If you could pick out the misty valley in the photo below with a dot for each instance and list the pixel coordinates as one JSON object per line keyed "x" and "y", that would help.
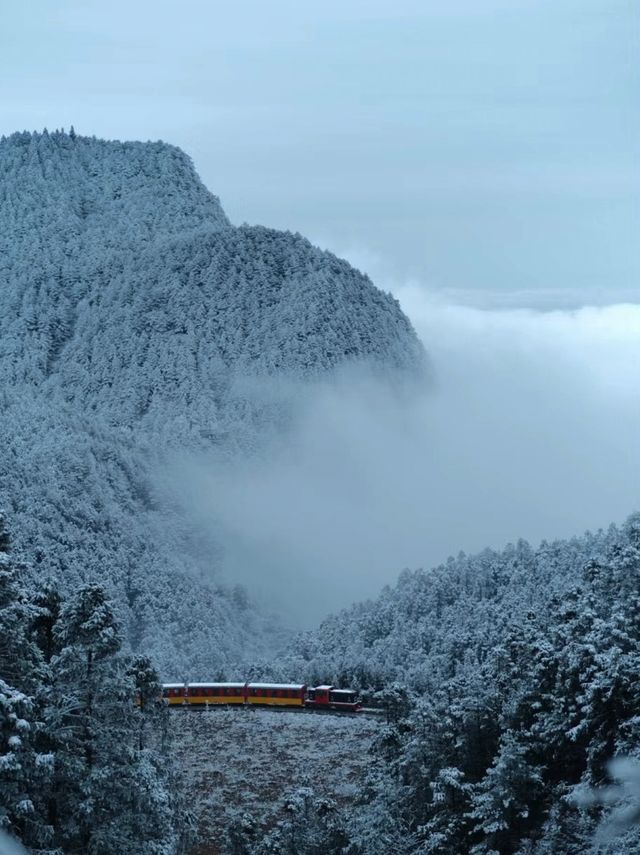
{"x": 283, "y": 572}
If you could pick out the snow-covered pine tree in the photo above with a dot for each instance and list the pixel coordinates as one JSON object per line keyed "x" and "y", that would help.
{"x": 111, "y": 791}
{"x": 24, "y": 771}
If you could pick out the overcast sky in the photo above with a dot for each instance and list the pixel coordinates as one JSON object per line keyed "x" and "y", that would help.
{"x": 487, "y": 147}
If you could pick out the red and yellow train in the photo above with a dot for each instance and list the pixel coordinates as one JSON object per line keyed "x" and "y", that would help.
{"x": 261, "y": 694}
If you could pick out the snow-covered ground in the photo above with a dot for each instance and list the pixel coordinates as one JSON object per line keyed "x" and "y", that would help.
{"x": 238, "y": 761}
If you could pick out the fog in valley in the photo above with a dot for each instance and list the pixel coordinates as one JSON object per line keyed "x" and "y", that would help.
{"x": 527, "y": 427}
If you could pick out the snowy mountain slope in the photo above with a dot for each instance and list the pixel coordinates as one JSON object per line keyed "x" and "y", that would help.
{"x": 135, "y": 318}
{"x": 121, "y": 276}
{"x": 510, "y": 680}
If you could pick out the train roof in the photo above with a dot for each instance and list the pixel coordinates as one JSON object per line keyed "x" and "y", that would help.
{"x": 343, "y": 691}
{"x": 173, "y": 685}
{"x": 277, "y": 686}
{"x": 326, "y": 688}
{"x": 222, "y": 685}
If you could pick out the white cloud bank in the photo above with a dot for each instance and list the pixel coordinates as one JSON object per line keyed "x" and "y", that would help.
{"x": 532, "y": 429}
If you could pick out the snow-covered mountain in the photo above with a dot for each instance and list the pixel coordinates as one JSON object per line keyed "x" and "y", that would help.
{"x": 132, "y": 313}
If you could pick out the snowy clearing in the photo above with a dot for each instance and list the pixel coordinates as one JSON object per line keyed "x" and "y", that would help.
{"x": 238, "y": 761}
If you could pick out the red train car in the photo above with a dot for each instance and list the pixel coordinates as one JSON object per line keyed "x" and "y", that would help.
{"x": 330, "y": 698}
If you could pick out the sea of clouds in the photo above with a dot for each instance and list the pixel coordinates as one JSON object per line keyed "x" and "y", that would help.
{"x": 528, "y": 426}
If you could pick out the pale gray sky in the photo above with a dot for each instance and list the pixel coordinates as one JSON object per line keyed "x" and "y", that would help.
{"x": 474, "y": 145}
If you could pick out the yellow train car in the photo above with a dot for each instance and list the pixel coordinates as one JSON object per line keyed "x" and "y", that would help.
{"x": 276, "y": 694}
{"x": 238, "y": 694}
{"x": 203, "y": 694}
{"x": 174, "y": 693}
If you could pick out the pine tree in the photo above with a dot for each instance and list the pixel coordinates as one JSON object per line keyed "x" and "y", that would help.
{"x": 24, "y": 770}
{"x": 112, "y": 794}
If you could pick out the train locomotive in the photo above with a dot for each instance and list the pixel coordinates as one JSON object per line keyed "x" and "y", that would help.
{"x": 292, "y": 695}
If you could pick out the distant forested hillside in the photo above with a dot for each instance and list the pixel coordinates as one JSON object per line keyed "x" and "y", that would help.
{"x": 135, "y": 321}
{"x": 510, "y": 680}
